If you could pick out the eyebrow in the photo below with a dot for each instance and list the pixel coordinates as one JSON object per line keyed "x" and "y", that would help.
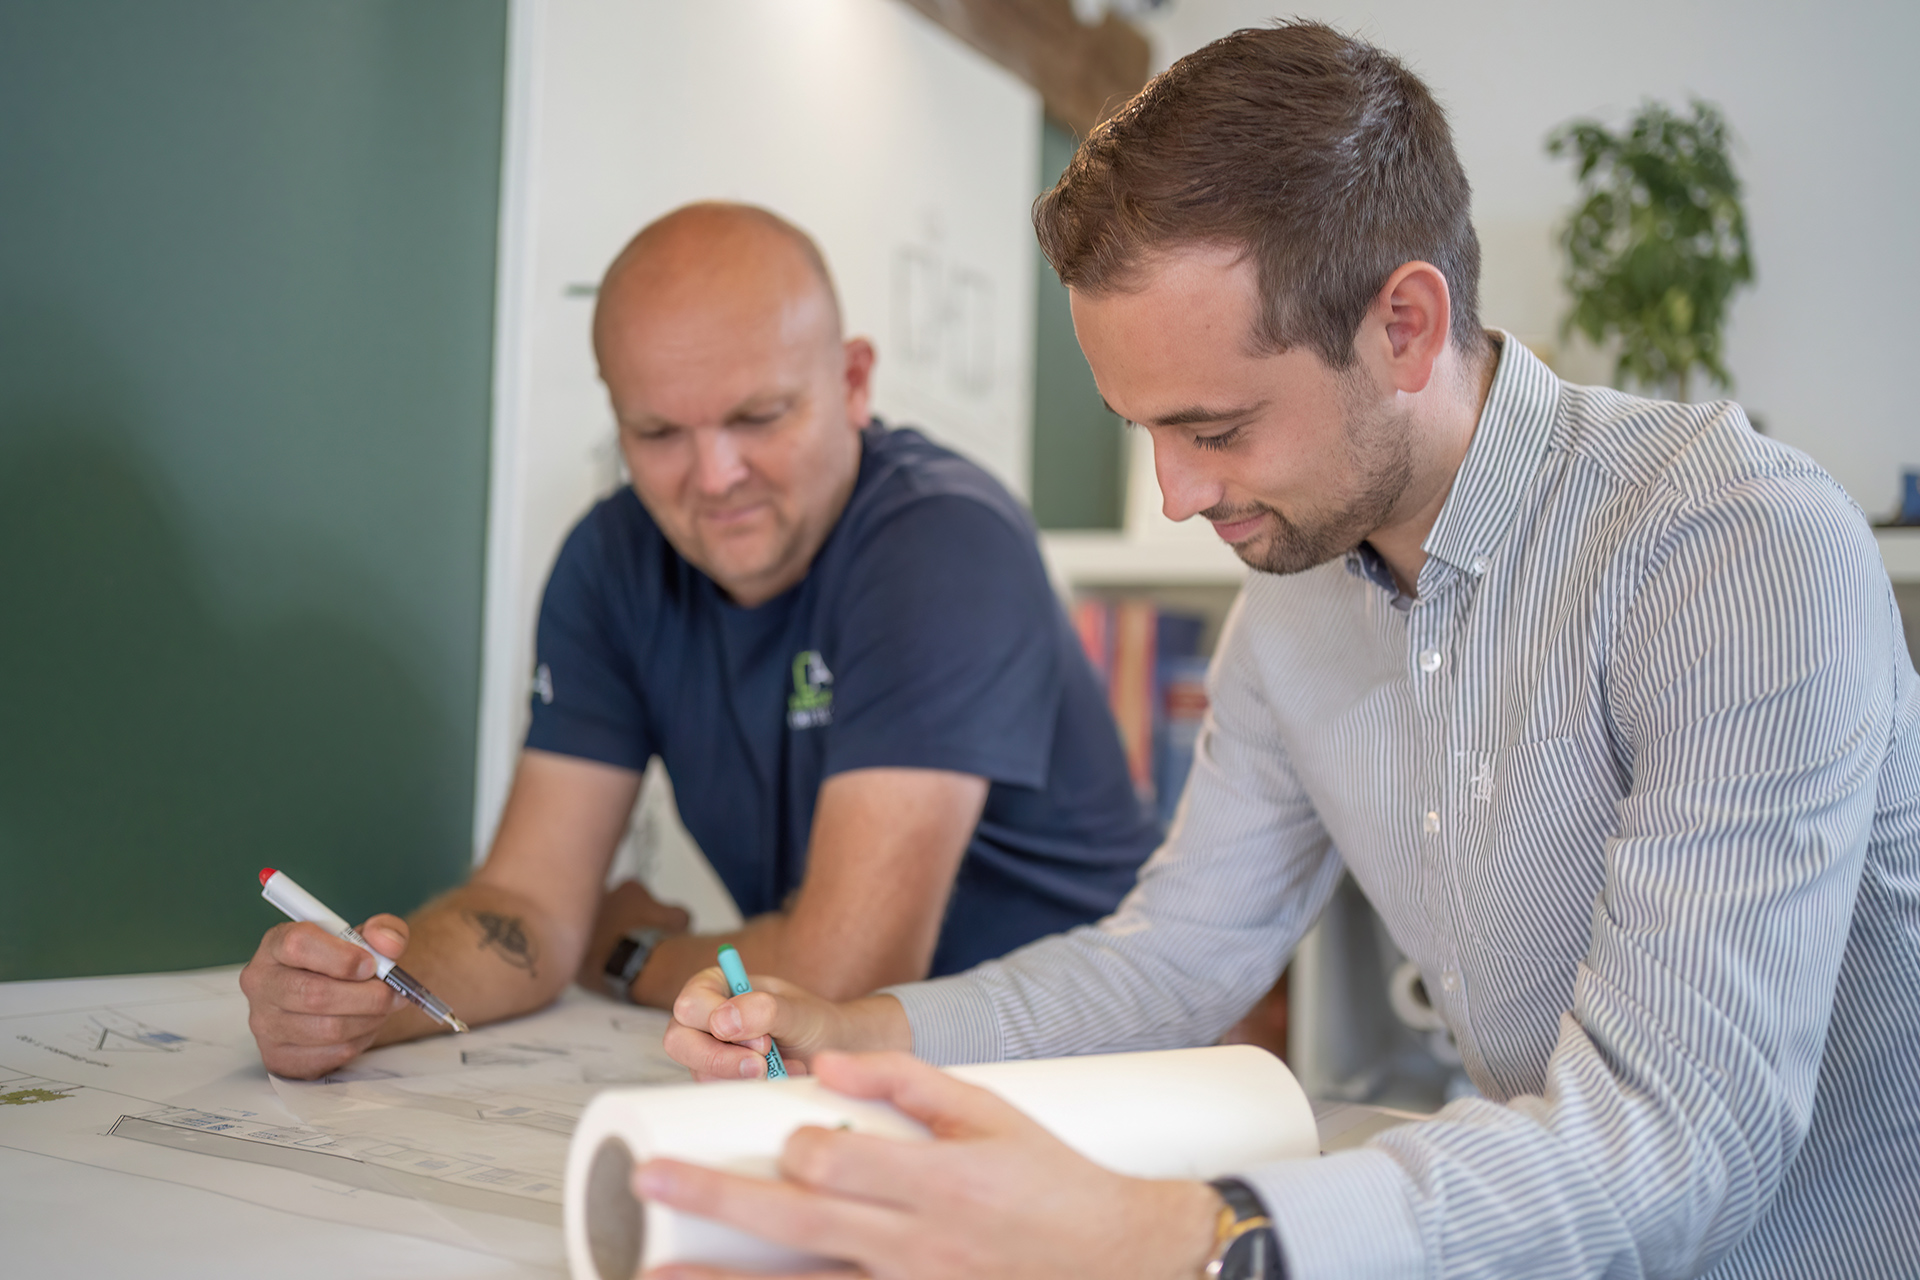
{"x": 744, "y": 409}
{"x": 1195, "y": 415}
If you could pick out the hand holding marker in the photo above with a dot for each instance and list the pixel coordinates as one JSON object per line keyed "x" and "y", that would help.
{"x": 278, "y": 888}
{"x": 738, "y": 984}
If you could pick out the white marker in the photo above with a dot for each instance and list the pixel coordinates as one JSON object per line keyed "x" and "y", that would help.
{"x": 278, "y": 888}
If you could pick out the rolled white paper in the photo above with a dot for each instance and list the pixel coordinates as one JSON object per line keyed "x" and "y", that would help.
{"x": 1179, "y": 1113}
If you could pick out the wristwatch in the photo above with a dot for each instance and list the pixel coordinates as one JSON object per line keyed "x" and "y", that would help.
{"x": 1244, "y": 1246}
{"x": 628, "y": 958}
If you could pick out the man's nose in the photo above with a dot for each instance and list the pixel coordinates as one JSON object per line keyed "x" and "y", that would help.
{"x": 1187, "y": 485}
{"x": 718, "y": 464}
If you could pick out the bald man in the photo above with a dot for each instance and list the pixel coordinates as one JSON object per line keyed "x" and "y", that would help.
{"x": 839, "y": 637}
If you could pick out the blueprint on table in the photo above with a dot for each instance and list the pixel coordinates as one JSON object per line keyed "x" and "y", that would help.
{"x": 461, "y": 1139}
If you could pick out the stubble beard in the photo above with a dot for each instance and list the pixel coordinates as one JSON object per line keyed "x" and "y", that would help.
{"x": 1380, "y": 452}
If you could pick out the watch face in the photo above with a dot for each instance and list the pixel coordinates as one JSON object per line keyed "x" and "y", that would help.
{"x": 622, "y": 952}
{"x": 1254, "y": 1256}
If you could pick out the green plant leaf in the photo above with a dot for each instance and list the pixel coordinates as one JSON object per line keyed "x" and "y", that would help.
{"x": 1658, "y": 243}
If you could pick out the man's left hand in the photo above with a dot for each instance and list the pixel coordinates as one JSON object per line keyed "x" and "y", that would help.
{"x": 994, "y": 1195}
{"x": 626, "y": 906}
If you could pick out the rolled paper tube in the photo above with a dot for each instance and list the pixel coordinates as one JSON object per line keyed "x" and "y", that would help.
{"x": 1180, "y": 1113}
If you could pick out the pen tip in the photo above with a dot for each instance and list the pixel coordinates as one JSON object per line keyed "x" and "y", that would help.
{"x": 459, "y": 1027}
{"x": 266, "y": 874}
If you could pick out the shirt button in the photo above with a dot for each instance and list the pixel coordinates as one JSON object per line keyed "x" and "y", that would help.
{"x": 1450, "y": 981}
{"x": 1430, "y": 660}
{"x": 1479, "y": 566}
{"x": 1431, "y": 823}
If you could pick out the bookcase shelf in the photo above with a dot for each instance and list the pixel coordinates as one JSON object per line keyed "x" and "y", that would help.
{"x": 1900, "y": 548}
{"x": 1078, "y": 560}
{"x": 1099, "y": 558}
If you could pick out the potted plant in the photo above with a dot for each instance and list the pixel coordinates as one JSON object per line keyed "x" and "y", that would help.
{"x": 1658, "y": 244}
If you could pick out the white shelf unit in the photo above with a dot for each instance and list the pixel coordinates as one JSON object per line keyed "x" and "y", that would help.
{"x": 1900, "y": 548}
{"x": 1102, "y": 559}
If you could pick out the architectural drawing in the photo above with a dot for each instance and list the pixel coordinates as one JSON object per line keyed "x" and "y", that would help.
{"x": 24, "y": 1091}
{"x": 461, "y": 1139}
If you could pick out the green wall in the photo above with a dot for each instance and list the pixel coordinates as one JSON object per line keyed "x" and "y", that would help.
{"x": 246, "y": 281}
{"x": 1078, "y": 447}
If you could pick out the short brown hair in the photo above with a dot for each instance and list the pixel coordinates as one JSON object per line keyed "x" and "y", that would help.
{"x": 1324, "y": 157}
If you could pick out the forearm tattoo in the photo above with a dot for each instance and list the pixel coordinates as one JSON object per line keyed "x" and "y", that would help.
{"x": 503, "y": 936}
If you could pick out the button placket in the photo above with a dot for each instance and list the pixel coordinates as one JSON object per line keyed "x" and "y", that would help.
{"x": 1447, "y": 820}
{"x": 1430, "y": 726}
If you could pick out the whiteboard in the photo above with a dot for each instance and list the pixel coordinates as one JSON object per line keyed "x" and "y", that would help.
{"x": 909, "y": 157}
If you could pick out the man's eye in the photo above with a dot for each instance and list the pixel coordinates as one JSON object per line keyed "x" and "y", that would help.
{"x": 1220, "y": 441}
{"x": 765, "y": 418}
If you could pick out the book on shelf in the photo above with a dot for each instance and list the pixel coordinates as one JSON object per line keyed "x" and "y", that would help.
{"x": 1155, "y": 676}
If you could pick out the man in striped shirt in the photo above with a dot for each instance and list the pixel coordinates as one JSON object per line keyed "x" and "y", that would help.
{"x": 1602, "y": 701}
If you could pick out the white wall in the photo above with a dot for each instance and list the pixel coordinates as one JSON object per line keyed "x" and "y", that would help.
{"x": 910, "y": 158}
{"x": 1827, "y": 109}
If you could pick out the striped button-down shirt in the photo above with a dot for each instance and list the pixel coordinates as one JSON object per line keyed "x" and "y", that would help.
{"x": 1635, "y": 778}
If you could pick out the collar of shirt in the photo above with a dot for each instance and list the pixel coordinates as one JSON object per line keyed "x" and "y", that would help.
{"x": 1508, "y": 444}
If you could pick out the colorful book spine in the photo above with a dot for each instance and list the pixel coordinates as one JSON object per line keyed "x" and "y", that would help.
{"x": 1183, "y": 709}
{"x": 1130, "y": 688}
{"x": 1150, "y": 663}
{"x": 1093, "y": 619}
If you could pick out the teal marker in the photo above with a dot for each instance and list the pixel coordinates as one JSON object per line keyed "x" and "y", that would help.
{"x": 737, "y": 982}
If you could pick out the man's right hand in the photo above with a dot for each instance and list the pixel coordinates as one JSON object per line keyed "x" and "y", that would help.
{"x": 720, "y": 1036}
{"x": 313, "y": 1000}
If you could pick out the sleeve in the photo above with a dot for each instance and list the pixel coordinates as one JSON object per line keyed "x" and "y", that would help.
{"x": 945, "y": 656}
{"x": 1245, "y": 869}
{"x": 1753, "y": 687}
{"x": 585, "y": 699}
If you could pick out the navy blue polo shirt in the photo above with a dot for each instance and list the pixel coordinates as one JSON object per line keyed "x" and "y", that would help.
{"x": 925, "y": 635}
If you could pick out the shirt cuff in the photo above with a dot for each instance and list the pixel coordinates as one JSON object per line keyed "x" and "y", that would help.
{"x": 952, "y": 1020}
{"x": 1347, "y": 1215}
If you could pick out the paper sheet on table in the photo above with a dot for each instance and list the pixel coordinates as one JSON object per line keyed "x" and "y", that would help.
{"x": 454, "y": 1139}
{"x": 475, "y": 1127}
{"x": 158, "y": 1076}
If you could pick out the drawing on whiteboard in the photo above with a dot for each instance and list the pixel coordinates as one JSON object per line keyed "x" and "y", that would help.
{"x": 943, "y": 319}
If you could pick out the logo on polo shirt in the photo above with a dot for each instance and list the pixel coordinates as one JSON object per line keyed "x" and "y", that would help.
{"x": 543, "y": 683}
{"x": 811, "y": 704}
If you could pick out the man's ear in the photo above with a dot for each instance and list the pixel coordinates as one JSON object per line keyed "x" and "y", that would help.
{"x": 859, "y": 380}
{"x": 1409, "y": 324}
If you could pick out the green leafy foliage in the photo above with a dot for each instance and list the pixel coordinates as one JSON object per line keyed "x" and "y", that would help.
{"x": 1658, "y": 244}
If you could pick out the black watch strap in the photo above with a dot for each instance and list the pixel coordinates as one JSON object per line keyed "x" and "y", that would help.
{"x": 628, "y": 957}
{"x": 1251, "y": 1249}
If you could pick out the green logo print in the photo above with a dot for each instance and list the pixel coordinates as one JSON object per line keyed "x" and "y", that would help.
{"x": 812, "y": 702}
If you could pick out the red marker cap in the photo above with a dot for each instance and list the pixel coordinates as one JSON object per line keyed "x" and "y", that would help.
{"x": 266, "y": 874}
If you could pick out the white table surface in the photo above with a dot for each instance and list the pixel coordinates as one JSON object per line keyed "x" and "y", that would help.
{"x": 63, "y": 1219}
{"x": 77, "y": 1200}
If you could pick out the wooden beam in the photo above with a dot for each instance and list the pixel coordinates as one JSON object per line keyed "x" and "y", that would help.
{"x": 1083, "y": 74}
